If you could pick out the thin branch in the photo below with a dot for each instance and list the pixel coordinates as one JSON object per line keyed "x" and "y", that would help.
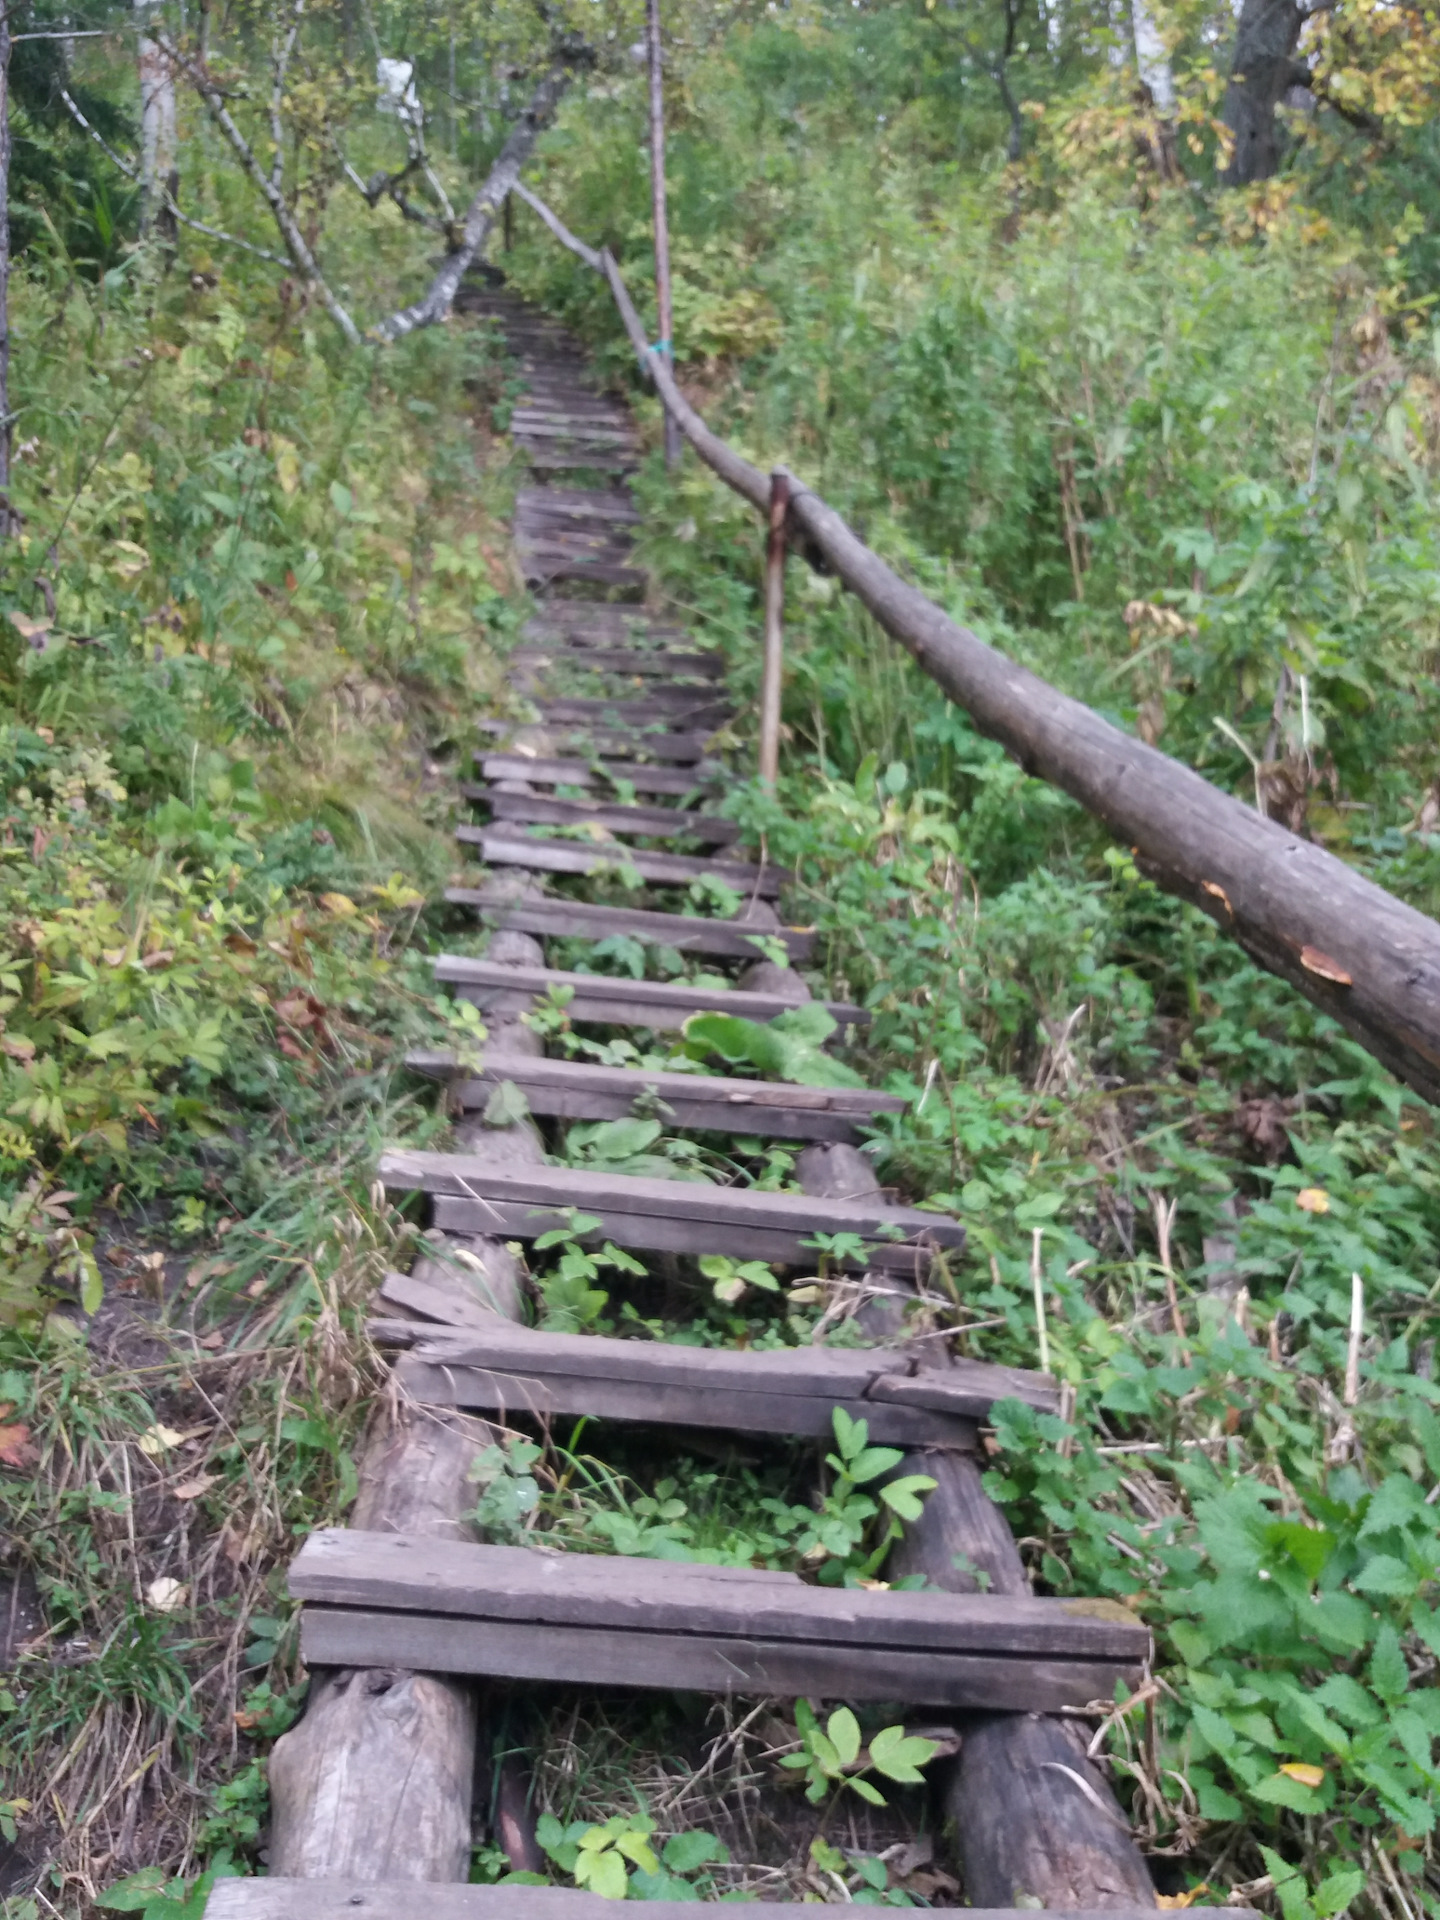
{"x": 557, "y": 226}
{"x": 536, "y": 116}
{"x": 300, "y": 255}
{"x": 277, "y": 95}
{"x": 130, "y": 173}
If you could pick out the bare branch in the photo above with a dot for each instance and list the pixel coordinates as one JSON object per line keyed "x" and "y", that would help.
{"x": 301, "y": 257}
{"x": 277, "y": 95}
{"x": 130, "y": 173}
{"x": 557, "y": 226}
{"x": 537, "y": 115}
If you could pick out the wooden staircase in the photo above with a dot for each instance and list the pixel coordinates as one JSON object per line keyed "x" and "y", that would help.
{"x": 629, "y": 753}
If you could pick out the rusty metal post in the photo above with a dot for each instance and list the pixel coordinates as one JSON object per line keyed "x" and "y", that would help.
{"x": 770, "y": 673}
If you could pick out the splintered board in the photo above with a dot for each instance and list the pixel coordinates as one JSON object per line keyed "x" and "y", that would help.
{"x": 443, "y": 1606}
{"x": 786, "y": 1390}
{"x": 273, "y": 1899}
{"x": 563, "y": 919}
{"x": 663, "y": 1005}
{"x": 581, "y": 1090}
{"x": 511, "y": 847}
{"x": 663, "y": 1216}
{"x": 654, "y": 823}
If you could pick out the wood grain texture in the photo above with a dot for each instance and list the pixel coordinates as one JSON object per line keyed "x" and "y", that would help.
{"x": 654, "y": 823}
{"x": 696, "y": 1662}
{"x": 528, "y": 1586}
{"x": 628, "y": 660}
{"x": 564, "y": 918}
{"x": 276, "y": 1899}
{"x": 548, "y": 771}
{"x": 582, "y": 1090}
{"x": 509, "y": 846}
{"x": 662, "y": 1004}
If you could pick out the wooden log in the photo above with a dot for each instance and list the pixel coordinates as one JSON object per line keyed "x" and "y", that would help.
{"x": 275, "y": 1899}
{"x": 582, "y": 1090}
{"x": 1024, "y": 1829}
{"x": 566, "y": 918}
{"x": 1362, "y": 956}
{"x": 500, "y": 846}
{"x": 663, "y": 1005}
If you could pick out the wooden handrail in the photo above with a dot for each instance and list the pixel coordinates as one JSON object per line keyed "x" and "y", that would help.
{"x": 1359, "y": 954}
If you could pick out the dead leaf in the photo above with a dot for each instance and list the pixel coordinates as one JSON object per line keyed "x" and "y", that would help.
{"x": 15, "y": 1448}
{"x": 27, "y": 628}
{"x": 340, "y": 904}
{"x": 192, "y": 1489}
{"x": 1313, "y": 1200}
{"x": 213, "y": 1342}
{"x": 17, "y": 1048}
{"x": 1302, "y": 1771}
{"x": 166, "y": 1595}
{"x": 1314, "y": 961}
{"x": 159, "y": 1439}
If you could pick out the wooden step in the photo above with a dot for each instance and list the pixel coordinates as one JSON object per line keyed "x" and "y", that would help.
{"x": 252, "y": 1898}
{"x": 662, "y": 1005}
{"x": 581, "y": 1090}
{"x": 695, "y": 707}
{"x": 609, "y": 508}
{"x": 566, "y": 919}
{"x": 570, "y": 457}
{"x": 577, "y": 432}
{"x": 616, "y": 744}
{"x": 446, "y": 1606}
{"x": 658, "y": 823}
{"x": 508, "y": 847}
{"x": 789, "y": 1391}
{"x": 547, "y": 771}
{"x": 599, "y": 621}
{"x": 623, "y": 660}
{"x": 540, "y": 569}
{"x": 663, "y": 1216}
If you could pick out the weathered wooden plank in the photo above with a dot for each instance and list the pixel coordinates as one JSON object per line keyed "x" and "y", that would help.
{"x": 539, "y": 570}
{"x": 687, "y": 934}
{"x": 618, "y": 744}
{"x": 967, "y": 1391}
{"x": 548, "y": 771}
{"x": 577, "y": 432}
{"x": 569, "y": 457}
{"x": 699, "y": 707}
{"x": 501, "y": 846}
{"x": 274, "y": 1899}
{"x": 449, "y": 1306}
{"x": 418, "y": 1573}
{"x": 693, "y": 1662}
{"x": 445, "y": 1383}
{"x": 627, "y": 660}
{"x": 656, "y": 823}
{"x": 662, "y": 1004}
{"x": 661, "y": 1215}
{"x": 582, "y": 502}
{"x": 582, "y": 1090}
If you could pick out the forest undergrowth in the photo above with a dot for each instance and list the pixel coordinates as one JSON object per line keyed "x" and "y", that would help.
{"x": 1182, "y": 460}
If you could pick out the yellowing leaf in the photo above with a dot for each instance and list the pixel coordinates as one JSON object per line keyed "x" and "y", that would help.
{"x": 287, "y": 464}
{"x": 339, "y": 904}
{"x": 1302, "y": 1771}
{"x": 157, "y": 1440}
{"x": 132, "y": 559}
{"x": 1313, "y": 1200}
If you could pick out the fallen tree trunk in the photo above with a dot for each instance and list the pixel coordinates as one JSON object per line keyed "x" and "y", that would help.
{"x": 1351, "y": 948}
{"x": 537, "y": 114}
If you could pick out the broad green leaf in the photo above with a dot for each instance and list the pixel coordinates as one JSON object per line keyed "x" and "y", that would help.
{"x": 684, "y": 1852}
{"x": 844, "y": 1733}
{"x": 868, "y": 1791}
{"x": 636, "y": 1847}
{"x": 899, "y": 1756}
{"x": 1336, "y": 1893}
{"x": 905, "y": 1496}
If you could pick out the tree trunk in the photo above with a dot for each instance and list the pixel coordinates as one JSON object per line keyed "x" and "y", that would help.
{"x": 159, "y": 175}
{"x": 1260, "y": 73}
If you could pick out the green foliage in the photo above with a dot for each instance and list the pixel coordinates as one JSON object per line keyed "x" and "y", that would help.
{"x": 785, "y": 1048}
{"x": 833, "y": 1759}
{"x": 616, "y": 1859}
{"x": 570, "y": 1302}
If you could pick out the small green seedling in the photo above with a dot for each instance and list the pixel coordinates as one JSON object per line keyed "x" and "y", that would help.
{"x": 837, "y": 1756}
{"x": 732, "y": 1279}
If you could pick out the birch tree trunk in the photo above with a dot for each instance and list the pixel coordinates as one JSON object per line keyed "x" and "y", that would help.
{"x": 159, "y": 174}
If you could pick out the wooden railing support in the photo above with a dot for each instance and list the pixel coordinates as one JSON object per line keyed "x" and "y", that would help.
{"x": 663, "y": 349}
{"x": 773, "y": 666}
